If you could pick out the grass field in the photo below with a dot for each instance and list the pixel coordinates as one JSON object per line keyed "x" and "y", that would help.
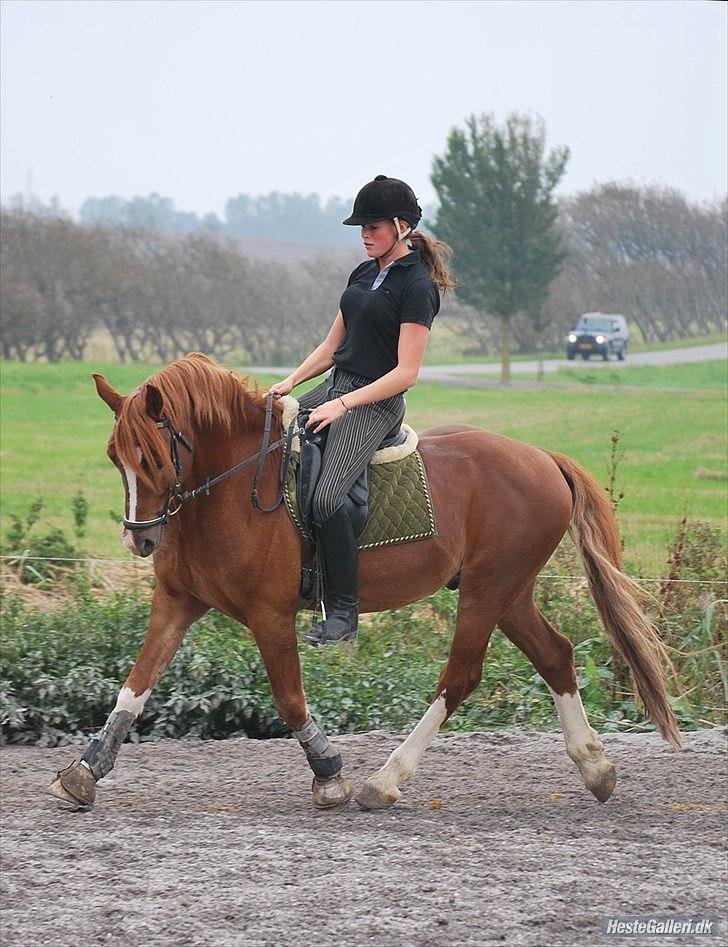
{"x": 688, "y": 377}
{"x": 54, "y": 432}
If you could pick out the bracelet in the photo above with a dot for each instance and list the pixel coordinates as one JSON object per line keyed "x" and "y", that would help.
{"x": 347, "y": 409}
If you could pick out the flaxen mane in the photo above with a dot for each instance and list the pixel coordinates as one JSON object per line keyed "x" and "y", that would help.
{"x": 194, "y": 389}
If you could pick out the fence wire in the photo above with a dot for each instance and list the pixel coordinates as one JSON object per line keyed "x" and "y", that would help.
{"x": 19, "y": 559}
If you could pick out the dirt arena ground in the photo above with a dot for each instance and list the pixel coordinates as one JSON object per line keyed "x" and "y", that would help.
{"x": 495, "y": 841}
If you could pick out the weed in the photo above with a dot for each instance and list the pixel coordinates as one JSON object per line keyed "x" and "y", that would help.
{"x": 41, "y": 556}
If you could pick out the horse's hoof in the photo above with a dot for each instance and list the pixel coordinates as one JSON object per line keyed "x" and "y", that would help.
{"x": 75, "y": 784}
{"x": 601, "y": 780}
{"x": 332, "y": 794}
{"x": 376, "y": 794}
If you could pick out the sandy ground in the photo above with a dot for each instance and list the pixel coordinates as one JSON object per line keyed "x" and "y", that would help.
{"x": 495, "y": 841}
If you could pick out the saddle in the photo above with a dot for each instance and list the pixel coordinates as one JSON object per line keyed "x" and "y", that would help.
{"x": 309, "y": 470}
{"x": 388, "y": 503}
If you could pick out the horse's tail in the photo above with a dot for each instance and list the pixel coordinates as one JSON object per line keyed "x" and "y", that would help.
{"x": 619, "y": 599}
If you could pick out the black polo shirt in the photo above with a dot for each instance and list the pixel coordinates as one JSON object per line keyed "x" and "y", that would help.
{"x": 373, "y": 317}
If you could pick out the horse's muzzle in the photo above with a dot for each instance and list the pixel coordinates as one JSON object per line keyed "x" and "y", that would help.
{"x": 142, "y": 544}
{"x": 146, "y": 547}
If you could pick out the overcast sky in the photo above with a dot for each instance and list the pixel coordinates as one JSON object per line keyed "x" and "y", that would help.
{"x": 200, "y": 101}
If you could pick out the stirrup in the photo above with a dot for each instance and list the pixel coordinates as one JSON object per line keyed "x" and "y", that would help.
{"x": 341, "y": 624}
{"x": 317, "y": 636}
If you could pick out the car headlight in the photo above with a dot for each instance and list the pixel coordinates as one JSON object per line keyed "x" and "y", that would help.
{"x": 572, "y": 337}
{"x": 600, "y": 339}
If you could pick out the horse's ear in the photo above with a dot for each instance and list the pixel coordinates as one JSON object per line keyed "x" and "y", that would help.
{"x": 108, "y": 394}
{"x": 153, "y": 400}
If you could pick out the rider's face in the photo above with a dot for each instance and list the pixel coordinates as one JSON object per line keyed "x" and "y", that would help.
{"x": 378, "y": 237}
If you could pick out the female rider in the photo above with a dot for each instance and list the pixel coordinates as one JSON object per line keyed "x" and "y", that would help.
{"x": 375, "y": 345}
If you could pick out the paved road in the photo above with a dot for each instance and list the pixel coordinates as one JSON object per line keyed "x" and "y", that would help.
{"x": 698, "y": 353}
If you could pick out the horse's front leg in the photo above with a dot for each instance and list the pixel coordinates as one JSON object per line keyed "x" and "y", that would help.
{"x": 276, "y": 639}
{"x": 170, "y": 618}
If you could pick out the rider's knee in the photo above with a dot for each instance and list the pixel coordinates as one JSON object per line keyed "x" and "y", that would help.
{"x": 324, "y": 506}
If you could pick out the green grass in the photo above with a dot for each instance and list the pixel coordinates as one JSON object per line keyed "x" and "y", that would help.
{"x": 55, "y": 428}
{"x": 689, "y": 376}
{"x": 636, "y": 346}
{"x": 697, "y": 375}
{"x": 670, "y": 440}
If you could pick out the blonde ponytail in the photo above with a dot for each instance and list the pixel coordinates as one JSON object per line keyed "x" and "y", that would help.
{"x": 435, "y": 255}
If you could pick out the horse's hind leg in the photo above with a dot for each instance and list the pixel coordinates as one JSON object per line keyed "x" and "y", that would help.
{"x": 462, "y": 673}
{"x": 170, "y": 618}
{"x": 551, "y": 653}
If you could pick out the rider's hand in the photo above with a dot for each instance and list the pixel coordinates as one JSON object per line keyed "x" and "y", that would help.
{"x": 327, "y": 412}
{"x": 281, "y": 388}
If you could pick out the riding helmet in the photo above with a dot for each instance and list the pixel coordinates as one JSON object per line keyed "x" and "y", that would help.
{"x": 384, "y": 199}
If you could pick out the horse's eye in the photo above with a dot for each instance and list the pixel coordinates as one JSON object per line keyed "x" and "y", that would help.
{"x": 158, "y": 465}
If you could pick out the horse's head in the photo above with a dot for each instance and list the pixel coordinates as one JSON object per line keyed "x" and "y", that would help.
{"x": 151, "y": 440}
{"x": 139, "y": 447}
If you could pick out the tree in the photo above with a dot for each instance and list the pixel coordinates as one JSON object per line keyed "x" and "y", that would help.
{"x": 649, "y": 253}
{"x": 46, "y": 308}
{"x": 497, "y": 211}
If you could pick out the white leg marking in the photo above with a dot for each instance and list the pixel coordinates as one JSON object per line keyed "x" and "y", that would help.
{"x": 131, "y": 702}
{"x": 574, "y": 724}
{"x": 584, "y": 746}
{"x": 404, "y": 760}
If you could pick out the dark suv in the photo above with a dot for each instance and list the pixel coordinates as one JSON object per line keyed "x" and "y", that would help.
{"x": 598, "y": 333}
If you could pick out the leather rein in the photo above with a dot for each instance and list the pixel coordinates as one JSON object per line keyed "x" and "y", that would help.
{"x": 178, "y": 497}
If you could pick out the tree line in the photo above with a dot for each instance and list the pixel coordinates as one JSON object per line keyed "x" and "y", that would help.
{"x": 643, "y": 251}
{"x": 275, "y": 216}
{"x": 157, "y": 295}
{"x": 527, "y": 264}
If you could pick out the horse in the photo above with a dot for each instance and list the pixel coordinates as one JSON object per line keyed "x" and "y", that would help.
{"x": 501, "y": 508}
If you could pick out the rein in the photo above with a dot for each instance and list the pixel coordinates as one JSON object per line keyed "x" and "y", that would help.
{"x": 179, "y": 496}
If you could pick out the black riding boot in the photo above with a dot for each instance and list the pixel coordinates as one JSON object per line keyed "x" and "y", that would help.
{"x": 338, "y": 546}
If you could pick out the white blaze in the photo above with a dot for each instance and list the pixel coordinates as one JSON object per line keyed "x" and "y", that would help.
{"x": 131, "y": 486}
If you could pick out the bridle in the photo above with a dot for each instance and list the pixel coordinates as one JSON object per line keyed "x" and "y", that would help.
{"x": 178, "y": 497}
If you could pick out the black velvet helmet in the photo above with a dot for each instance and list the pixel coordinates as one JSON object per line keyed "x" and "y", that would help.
{"x": 383, "y": 199}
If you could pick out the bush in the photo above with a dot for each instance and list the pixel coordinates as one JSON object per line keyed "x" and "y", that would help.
{"x": 38, "y": 557}
{"x": 61, "y": 670}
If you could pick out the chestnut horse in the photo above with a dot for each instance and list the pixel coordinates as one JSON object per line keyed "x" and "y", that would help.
{"x": 501, "y": 508}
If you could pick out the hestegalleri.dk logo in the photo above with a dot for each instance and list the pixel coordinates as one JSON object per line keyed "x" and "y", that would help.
{"x": 650, "y": 925}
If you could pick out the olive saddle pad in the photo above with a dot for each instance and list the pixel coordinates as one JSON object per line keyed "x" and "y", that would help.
{"x": 400, "y": 506}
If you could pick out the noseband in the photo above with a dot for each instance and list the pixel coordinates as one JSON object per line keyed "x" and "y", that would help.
{"x": 178, "y": 497}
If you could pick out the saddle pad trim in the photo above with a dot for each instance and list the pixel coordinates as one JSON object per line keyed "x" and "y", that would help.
{"x": 294, "y": 511}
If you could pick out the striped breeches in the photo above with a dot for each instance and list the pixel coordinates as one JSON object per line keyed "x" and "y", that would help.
{"x": 352, "y": 439}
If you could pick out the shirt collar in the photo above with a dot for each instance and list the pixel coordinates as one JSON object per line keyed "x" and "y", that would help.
{"x": 409, "y": 260}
